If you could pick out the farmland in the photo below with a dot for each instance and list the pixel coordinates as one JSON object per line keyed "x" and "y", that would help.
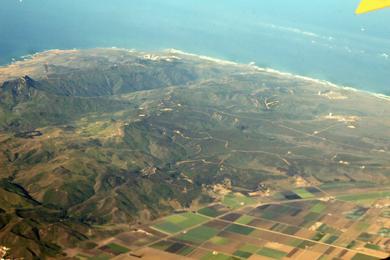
{"x": 304, "y": 228}
{"x": 179, "y": 222}
{"x": 365, "y": 198}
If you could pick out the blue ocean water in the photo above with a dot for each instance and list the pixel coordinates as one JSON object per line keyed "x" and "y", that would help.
{"x": 318, "y": 38}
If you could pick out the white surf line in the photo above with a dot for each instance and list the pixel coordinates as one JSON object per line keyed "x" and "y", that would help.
{"x": 280, "y": 73}
{"x": 218, "y": 61}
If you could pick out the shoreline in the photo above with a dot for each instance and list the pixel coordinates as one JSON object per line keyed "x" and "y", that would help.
{"x": 284, "y": 74}
{"x": 30, "y": 57}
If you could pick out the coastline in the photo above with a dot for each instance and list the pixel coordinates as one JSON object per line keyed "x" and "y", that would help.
{"x": 284, "y": 74}
{"x": 31, "y": 57}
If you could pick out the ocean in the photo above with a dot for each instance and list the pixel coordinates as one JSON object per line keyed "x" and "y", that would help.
{"x": 322, "y": 39}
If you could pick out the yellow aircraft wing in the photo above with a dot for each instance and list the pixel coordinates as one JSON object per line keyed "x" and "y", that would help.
{"x": 372, "y": 5}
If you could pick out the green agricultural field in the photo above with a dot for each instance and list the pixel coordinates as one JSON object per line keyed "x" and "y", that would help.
{"x": 373, "y": 247}
{"x": 351, "y": 245}
{"x": 167, "y": 246}
{"x": 346, "y": 185}
{"x": 318, "y": 208}
{"x": 234, "y": 200}
{"x": 361, "y": 226}
{"x": 384, "y": 232}
{"x": 271, "y": 215}
{"x": 249, "y": 248}
{"x": 199, "y": 235}
{"x": 210, "y": 212}
{"x": 242, "y": 254}
{"x": 272, "y": 253}
{"x": 364, "y": 257}
{"x": 167, "y": 227}
{"x": 245, "y": 219}
{"x": 117, "y": 249}
{"x": 274, "y": 212}
{"x": 217, "y": 240}
{"x": 365, "y": 198}
{"x": 290, "y": 230}
{"x": 278, "y": 196}
{"x": 243, "y": 230}
{"x": 294, "y": 242}
{"x": 178, "y": 222}
{"x": 330, "y": 239}
{"x": 162, "y": 245}
{"x": 185, "y": 250}
{"x": 366, "y": 237}
{"x": 318, "y": 236}
{"x": 356, "y": 213}
{"x": 279, "y": 227}
{"x": 303, "y": 193}
{"x": 311, "y": 217}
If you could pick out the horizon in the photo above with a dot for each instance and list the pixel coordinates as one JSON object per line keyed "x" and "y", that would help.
{"x": 251, "y": 31}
